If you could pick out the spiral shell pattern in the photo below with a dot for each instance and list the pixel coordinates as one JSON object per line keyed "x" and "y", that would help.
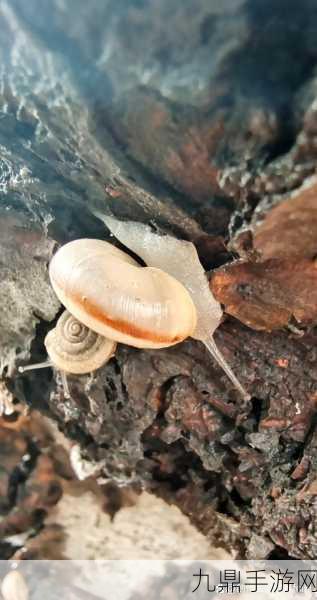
{"x": 74, "y": 348}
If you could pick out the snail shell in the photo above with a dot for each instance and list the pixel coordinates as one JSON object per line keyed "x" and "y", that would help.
{"x": 74, "y": 348}
{"x": 110, "y": 293}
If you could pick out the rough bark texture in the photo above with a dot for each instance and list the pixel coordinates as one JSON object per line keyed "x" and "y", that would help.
{"x": 202, "y": 120}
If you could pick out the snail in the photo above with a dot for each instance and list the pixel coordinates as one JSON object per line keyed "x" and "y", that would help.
{"x": 112, "y": 299}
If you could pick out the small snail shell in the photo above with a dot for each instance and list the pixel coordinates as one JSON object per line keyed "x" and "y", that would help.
{"x": 106, "y": 290}
{"x": 74, "y": 348}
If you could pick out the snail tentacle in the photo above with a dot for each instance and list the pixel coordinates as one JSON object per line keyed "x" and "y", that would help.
{"x": 212, "y": 347}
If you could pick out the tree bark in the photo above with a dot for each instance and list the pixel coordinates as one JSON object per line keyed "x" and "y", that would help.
{"x": 210, "y": 133}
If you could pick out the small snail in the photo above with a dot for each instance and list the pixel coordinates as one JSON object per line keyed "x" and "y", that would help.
{"x": 74, "y": 348}
{"x": 110, "y": 298}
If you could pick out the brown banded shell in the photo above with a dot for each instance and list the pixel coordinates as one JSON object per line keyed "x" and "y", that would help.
{"x": 110, "y": 293}
{"x": 74, "y": 348}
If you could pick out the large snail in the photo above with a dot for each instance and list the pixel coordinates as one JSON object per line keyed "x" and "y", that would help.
{"x": 110, "y": 298}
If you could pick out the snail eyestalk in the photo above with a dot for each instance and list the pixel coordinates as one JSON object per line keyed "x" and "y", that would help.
{"x": 45, "y": 365}
{"x": 215, "y": 352}
{"x": 42, "y": 365}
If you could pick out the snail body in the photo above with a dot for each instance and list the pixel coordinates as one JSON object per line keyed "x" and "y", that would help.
{"x": 179, "y": 258}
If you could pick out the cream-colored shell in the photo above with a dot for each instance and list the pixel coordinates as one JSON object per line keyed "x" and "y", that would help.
{"x": 106, "y": 290}
{"x": 74, "y": 348}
